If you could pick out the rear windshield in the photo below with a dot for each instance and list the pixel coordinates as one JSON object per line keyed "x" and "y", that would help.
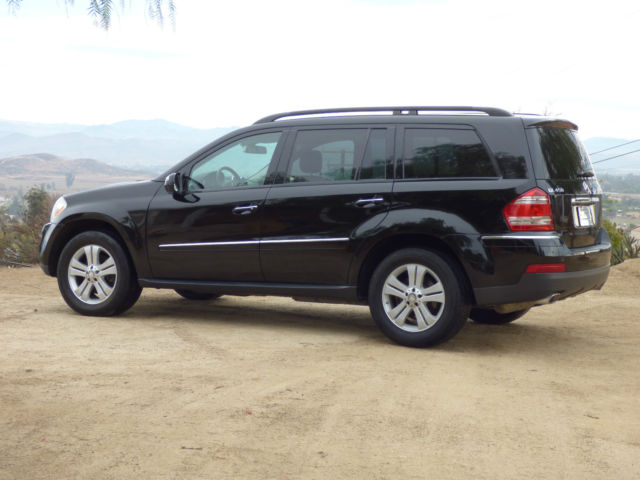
{"x": 563, "y": 153}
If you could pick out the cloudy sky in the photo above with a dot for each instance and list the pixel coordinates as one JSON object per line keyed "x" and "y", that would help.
{"x": 230, "y": 62}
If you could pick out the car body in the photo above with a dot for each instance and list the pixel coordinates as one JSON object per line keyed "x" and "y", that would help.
{"x": 491, "y": 213}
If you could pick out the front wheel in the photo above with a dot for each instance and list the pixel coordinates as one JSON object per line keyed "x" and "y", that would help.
{"x": 417, "y": 297}
{"x": 95, "y": 276}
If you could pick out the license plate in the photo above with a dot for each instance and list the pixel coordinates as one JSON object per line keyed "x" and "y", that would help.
{"x": 584, "y": 216}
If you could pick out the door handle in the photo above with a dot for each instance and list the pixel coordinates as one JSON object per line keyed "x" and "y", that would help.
{"x": 369, "y": 202}
{"x": 244, "y": 209}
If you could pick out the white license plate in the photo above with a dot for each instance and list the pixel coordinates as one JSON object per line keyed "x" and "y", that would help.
{"x": 584, "y": 216}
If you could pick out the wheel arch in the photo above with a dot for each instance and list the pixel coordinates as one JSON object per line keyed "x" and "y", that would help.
{"x": 394, "y": 243}
{"x": 76, "y": 227}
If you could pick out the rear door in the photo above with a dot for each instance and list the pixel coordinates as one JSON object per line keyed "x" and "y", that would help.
{"x": 334, "y": 188}
{"x": 564, "y": 171}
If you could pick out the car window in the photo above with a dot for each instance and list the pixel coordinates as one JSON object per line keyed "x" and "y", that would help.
{"x": 326, "y": 155}
{"x": 563, "y": 152}
{"x": 242, "y": 163}
{"x": 374, "y": 163}
{"x": 433, "y": 153}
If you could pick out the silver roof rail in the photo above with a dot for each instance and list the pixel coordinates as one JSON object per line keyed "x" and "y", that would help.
{"x": 412, "y": 110}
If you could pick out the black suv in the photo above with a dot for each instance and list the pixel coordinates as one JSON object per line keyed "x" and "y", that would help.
{"x": 430, "y": 215}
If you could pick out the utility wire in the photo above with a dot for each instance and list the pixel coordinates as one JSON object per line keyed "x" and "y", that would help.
{"x": 615, "y": 146}
{"x": 616, "y": 156}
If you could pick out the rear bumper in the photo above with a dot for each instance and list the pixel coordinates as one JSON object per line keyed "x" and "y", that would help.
{"x": 543, "y": 287}
{"x": 587, "y": 268}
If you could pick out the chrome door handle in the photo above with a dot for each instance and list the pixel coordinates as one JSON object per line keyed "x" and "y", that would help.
{"x": 244, "y": 209}
{"x": 363, "y": 202}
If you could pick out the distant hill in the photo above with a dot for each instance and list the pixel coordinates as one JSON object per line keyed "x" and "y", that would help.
{"x": 140, "y": 144}
{"x": 61, "y": 174}
{"x": 45, "y": 163}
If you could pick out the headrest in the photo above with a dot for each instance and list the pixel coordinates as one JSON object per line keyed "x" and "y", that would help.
{"x": 311, "y": 161}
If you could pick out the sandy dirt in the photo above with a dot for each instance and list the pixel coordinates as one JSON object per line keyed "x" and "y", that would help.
{"x": 264, "y": 388}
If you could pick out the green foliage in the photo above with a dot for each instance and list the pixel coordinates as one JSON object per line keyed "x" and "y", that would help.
{"x": 629, "y": 183}
{"x": 20, "y": 238}
{"x": 623, "y": 245}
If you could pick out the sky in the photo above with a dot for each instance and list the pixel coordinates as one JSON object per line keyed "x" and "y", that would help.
{"x": 228, "y": 63}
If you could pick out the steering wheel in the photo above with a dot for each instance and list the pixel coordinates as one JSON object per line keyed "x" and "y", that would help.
{"x": 235, "y": 177}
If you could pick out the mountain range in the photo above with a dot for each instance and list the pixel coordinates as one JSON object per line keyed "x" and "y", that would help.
{"x": 151, "y": 145}
{"x": 155, "y": 145}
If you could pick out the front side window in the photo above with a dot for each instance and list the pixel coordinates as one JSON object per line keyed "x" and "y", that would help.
{"x": 243, "y": 163}
{"x": 434, "y": 153}
{"x": 326, "y": 155}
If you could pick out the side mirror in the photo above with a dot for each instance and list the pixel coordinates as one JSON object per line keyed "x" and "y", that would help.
{"x": 172, "y": 184}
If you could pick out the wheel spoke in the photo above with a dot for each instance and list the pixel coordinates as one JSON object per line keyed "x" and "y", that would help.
{"x": 435, "y": 288}
{"x": 424, "y": 316}
{"x": 399, "y": 313}
{"x": 108, "y": 267}
{"x": 416, "y": 275}
{"x": 391, "y": 290}
{"x": 84, "y": 290}
{"x": 77, "y": 267}
{"x": 103, "y": 290}
{"x": 395, "y": 284}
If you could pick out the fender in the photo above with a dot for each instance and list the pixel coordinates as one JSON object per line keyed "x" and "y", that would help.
{"x": 411, "y": 226}
{"x": 122, "y": 208}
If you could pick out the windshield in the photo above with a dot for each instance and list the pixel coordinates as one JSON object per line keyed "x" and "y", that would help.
{"x": 563, "y": 153}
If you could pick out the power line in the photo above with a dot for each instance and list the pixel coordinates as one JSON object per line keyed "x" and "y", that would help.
{"x": 615, "y": 146}
{"x": 616, "y": 156}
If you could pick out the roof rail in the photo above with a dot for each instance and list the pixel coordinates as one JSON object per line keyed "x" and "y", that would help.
{"x": 492, "y": 112}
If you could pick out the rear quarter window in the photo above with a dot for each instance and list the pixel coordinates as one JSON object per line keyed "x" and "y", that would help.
{"x": 442, "y": 153}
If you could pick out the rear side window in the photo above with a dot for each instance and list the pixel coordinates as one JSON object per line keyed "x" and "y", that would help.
{"x": 563, "y": 153}
{"x": 435, "y": 153}
{"x": 332, "y": 155}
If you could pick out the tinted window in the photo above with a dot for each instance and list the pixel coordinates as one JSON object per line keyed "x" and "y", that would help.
{"x": 431, "y": 153}
{"x": 374, "y": 163}
{"x": 326, "y": 155}
{"x": 563, "y": 153}
{"x": 240, "y": 164}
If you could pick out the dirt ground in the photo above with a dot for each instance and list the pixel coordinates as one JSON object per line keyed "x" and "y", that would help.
{"x": 264, "y": 388}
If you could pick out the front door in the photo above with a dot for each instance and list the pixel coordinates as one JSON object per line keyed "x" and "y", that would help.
{"x": 212, "y": 231}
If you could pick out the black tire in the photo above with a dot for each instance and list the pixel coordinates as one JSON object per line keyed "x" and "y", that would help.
{"x": 192, "y": 295}
{"x": 109, "y": 270}
{"x": 491, "y": 317}
{"x": 442, "y": 281}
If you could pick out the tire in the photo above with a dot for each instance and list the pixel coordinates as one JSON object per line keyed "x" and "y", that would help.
{"x": 95, "y": 275}
{"x": 491, "y": 317}
{"x": 394, "y": 294}
{"x": 192, "y": 295}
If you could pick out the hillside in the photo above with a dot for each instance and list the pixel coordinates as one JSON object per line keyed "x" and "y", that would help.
{"x": 141, "y": 144}
{"x": 60, "y": 174}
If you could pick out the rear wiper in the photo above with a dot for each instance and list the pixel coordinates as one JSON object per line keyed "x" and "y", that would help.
{"x": 585, "y": 174}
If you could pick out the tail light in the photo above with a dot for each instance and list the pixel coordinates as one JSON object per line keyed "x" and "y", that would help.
{"x": 530, "y": 211}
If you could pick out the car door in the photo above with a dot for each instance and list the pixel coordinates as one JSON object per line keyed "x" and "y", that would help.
{"x": 211, "y": 230}
{"x": 334, "y": 188}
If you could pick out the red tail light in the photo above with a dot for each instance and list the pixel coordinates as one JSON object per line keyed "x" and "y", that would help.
{"x": 546, "y": 268}
{"x": 530, "y": 211}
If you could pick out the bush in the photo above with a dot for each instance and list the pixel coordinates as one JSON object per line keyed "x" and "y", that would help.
{"x": 623, "y": 245}
{"x": 20, "y": 239}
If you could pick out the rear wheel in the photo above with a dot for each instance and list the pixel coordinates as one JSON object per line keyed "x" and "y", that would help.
{"x": 417, "y": 298}
{"x": 95, "y": 276}
{"x": 491, "y": 317}
{"x": 192, "y": 295}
